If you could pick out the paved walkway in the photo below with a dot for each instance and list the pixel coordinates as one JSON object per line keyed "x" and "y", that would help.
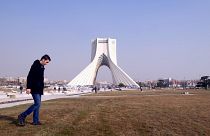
{"x": 19, "y": 99}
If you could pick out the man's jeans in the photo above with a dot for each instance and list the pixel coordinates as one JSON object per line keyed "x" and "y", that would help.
{"x": 34, "y": 108}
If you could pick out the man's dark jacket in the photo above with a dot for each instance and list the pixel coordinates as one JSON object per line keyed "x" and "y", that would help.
{"x": 35, "y": 78}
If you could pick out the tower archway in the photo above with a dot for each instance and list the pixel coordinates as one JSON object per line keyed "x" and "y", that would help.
{"x": 103, "y": 54}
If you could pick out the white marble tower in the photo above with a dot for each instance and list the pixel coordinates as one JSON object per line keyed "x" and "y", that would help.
{"x": 103, "y": 53}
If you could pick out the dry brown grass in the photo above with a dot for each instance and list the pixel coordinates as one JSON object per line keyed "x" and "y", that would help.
{"x": 124, "y": 113}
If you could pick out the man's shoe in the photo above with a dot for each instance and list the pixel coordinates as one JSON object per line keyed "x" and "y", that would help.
{"x": 21, "y": 120}
{"x": 38, "y": 123}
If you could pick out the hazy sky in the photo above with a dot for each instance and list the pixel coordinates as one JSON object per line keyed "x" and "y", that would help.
{"x": 155, "y": 38}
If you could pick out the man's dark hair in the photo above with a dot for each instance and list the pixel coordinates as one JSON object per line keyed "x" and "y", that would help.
{"x": 46, "y": 57}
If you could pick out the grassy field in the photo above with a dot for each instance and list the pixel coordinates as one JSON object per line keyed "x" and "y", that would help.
{"x": 122, "y": 113}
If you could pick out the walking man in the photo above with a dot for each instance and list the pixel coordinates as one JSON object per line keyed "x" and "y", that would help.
{"x": 35, "y": 86}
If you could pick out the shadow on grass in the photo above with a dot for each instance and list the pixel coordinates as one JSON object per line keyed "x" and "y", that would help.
{"x": 12, "y": 120}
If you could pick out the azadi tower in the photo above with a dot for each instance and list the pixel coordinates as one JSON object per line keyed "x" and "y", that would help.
{"x": 103, "y": 53}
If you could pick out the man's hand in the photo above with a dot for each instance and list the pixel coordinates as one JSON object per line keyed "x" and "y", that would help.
{"x": 28, "y": 91}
